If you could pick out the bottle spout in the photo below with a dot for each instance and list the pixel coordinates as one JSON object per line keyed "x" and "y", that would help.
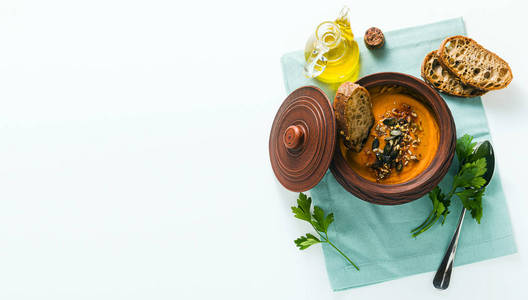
{"x": 343, "y": 21}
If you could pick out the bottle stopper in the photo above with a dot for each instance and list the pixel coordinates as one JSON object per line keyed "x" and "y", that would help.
{"x": 374, "y": 38}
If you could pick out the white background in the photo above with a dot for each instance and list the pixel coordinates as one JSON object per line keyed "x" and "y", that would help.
{"x": 134, "y": 160}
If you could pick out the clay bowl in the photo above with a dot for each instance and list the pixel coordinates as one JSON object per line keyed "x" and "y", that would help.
{"x": 393, "y": 194}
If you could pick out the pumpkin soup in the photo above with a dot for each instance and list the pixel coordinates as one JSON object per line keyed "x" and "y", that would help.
{"x": 401, "y": 143}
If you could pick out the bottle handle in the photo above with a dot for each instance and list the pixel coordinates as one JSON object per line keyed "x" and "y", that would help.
{"x": 316, "y": 63}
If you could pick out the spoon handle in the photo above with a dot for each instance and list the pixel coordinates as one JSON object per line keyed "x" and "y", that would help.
{"x": 443, "y": 274}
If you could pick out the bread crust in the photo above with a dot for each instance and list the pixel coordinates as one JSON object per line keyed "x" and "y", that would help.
{"x": 354, "y": 117}
{"x": 448, "y": 83}
{"x": 469, "y": 79}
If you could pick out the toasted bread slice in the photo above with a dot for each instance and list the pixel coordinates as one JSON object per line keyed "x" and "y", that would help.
{"x": 354, "y": 117}
{"x": 442, "y": 79}
{"x": 473, "y": 64}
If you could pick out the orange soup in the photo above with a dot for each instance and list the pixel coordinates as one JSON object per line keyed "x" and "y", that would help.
{"x": 401, "y": 144}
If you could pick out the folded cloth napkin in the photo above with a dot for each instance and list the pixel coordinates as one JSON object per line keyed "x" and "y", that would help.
{"x": 377, "y": 237}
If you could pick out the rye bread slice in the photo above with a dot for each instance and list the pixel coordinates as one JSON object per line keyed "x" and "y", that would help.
{"x": 473, "y": 64}
{"x": 442, "y": 79}
{"x": 354, "y": 117}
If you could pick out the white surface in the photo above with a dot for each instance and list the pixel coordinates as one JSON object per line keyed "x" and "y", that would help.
{"x": 133, "y": 149}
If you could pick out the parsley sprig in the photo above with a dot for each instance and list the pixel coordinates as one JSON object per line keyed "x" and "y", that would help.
{"x": 468, "y": 185}
{"x": 319, "y": 222}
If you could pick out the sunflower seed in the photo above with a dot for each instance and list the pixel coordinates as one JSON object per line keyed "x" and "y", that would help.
{"x": 395, "y": 132}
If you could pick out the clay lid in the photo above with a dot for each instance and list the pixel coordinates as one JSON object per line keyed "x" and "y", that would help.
{"x": 302, "y": 139}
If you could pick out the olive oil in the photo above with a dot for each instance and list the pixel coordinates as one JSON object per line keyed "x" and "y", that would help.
{"x": 331, "y": 53}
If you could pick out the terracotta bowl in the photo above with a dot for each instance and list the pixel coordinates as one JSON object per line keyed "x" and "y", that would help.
{"x": 392, "y": 194}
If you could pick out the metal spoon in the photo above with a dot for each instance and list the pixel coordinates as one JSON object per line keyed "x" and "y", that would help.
{"x": 443, "y": 274}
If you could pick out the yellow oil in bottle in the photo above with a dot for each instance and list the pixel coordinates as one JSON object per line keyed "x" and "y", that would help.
{"x": 341, "y": 59}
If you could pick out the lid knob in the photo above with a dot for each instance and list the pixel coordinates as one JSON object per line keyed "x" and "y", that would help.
{"x": 293, "y": 137}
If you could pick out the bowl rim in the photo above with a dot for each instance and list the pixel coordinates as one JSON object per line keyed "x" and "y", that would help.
{"x": 424, "y": 182}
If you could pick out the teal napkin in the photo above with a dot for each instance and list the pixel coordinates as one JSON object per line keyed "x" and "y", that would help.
{"x": 378, "y": 238}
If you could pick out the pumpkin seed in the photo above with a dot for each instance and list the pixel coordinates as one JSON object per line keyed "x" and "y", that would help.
{"x": 387, "y": 148}
{"x": 394, "y": 154}
{"x": 378, "y": 156}
{"x": 375, "y": 143}
{"x": 389, "y": 121}
{"x": 377, "y": 164}
{"x": 399, "y": 166}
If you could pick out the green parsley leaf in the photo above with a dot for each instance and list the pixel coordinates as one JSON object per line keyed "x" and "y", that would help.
{"x": 472, "y": 201}
{"x": 464, "y": 148}
{"x": 440, "y": 208}
{"x": 470, "y": 174}
{"x": 485, "y": 150}
{"x": 318, "y": 221}
{"x": 302, "y": 211}
{"x": 304, "y": 242}
{"x": 469, "y": 182}
{"x": 328, "y": 220}
{"x": 446, "y": 202}
{"x": 436, "y": 194}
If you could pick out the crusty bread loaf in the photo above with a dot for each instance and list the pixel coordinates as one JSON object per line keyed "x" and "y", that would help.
{"x": 442, "y": 79}
{"x": 354, "y": 117}
{"x": 473, "y": 64}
